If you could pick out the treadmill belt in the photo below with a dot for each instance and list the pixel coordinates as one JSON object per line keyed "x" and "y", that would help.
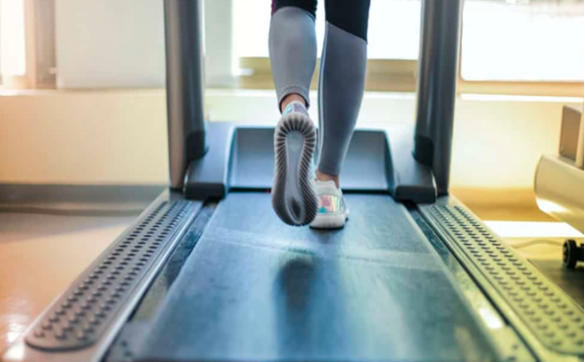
{"x": 255, "y": 289}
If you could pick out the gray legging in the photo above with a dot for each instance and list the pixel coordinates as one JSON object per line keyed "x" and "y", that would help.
{"x": 293, "y": 53}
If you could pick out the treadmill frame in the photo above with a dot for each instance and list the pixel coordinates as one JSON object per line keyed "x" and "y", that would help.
{"x": 422, "y": 156}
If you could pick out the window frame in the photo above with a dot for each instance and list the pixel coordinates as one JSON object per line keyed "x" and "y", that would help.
{"x": 400, "y": 75}
{"x": 384, "y": 75}
{"x": 394, "y": 75}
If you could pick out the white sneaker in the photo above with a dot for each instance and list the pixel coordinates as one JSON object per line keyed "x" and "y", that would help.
{"x": 332, "y": 210}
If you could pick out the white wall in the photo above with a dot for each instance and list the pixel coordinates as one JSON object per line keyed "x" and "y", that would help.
{"x": 110, "y": 43}
{"x": 95, "y": 137}
{"x": 120, "y": 43}
{"x": 84, "y": 138}
{"x": 498, "y": 143}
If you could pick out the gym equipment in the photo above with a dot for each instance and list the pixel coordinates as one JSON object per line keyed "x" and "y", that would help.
{"x": 208, "y": 272}
{"x": 558, "y": 182}
{"x": 572, "y": 253}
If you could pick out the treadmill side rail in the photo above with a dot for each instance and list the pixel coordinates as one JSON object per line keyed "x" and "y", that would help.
{"x": 81, "y": 323}
{"x": 208, "y": 176}
{"x": 549, "y": 321}
{"x": 408, "y": 179}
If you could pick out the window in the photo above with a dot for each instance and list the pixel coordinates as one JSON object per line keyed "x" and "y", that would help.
{"x": 27, "y": 45}
{"x": 508, "y": 46}
{"x": 393, "y": 38}
{"x": 525, "y": 47}
{"x": 535, "y": 48}
{"x": 394, "y": 28}
{"x": 12, "y": 48}
{"x": 531, "y": 41}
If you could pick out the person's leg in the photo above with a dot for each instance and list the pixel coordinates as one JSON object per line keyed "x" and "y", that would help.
{"x": 341, "y": 81}
{"x": 341, "y": 86}
{"x": 293, "y": 49}
{"x": 293, "y": 52}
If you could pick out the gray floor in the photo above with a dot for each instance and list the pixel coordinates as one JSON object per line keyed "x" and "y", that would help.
{"x": 570, "y": 281}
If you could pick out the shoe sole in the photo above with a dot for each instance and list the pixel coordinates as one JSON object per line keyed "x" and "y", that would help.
{"x": 293, "y": 195}
{"x": 329, "y": 221}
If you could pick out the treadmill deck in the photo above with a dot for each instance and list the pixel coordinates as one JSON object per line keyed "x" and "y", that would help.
{"x": 255, "y": 291}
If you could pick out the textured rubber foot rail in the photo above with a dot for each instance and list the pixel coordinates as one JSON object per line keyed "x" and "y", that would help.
{"x": 293, "y": 195}
{"x": 91, "y": 305}
{"x": 554, "y": 319}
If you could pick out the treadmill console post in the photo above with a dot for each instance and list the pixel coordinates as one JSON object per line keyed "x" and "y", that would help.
{"x": 184, "y": 74}
{"x": 437, "y": 79}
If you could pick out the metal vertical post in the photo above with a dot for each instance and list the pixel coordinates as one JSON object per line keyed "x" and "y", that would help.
{"x": 185, "y": 85}
{"x": 437, "y": 79}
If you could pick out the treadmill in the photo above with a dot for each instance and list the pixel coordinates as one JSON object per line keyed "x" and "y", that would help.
{"x": 209, "y": 273}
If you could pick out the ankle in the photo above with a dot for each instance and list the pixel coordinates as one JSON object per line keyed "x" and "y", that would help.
{"x": 321, "y": 176}
{"x": 290, "y": 99}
